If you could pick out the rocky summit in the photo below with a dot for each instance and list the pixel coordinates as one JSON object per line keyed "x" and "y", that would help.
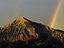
{"x": 25, "y": 33}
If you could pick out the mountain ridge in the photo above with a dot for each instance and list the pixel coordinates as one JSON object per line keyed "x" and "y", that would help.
{"x": 24, "y": 30}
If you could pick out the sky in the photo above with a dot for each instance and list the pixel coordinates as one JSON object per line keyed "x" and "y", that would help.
{"x": 39, "y": 11}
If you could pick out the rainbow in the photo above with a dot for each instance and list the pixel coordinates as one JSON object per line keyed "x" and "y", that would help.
{"x": 55, "y": 14}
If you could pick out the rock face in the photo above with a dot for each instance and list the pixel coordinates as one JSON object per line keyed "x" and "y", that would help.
{"x": 19, "y": 29}
{"x": 25, "y": 30}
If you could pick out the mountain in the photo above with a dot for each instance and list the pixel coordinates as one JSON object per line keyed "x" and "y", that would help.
{"x": 26, "y": 33}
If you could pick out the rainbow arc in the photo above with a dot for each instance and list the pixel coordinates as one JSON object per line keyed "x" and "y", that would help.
{"x": 55, "y": 14}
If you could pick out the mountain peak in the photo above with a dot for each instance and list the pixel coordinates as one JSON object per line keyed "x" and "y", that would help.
{"x": 19, "y": 20}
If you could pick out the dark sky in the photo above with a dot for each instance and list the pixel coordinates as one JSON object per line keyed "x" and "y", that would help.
{"x": 36, "y": 10}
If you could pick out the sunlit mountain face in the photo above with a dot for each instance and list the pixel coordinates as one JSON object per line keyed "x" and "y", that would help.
{"x": 25, "y": 33}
